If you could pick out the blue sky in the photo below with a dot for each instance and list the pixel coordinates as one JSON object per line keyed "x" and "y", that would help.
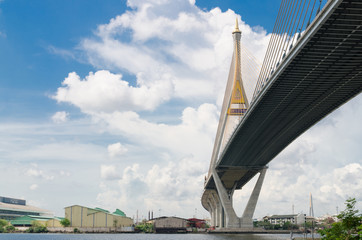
{"x": 109, "y": 103}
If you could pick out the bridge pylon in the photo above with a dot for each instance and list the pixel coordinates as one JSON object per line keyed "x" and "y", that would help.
{"x": 222, "y": 182}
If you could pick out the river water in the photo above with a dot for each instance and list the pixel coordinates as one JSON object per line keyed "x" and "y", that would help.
{"x": 52, "y": 236}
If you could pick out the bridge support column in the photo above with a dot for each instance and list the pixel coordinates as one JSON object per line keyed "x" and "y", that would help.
{"x": 232, "y": 221}
{"x": 217, "y": 214}
{"x": 211, "y": 211}
{"x": 247, "y": 219}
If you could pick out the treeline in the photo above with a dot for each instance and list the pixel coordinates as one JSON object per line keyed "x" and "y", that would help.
{"x": 6, "y": 227}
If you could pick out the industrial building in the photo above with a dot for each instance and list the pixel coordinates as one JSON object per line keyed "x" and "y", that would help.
{"x": 196, "y": 223}
{"x": 169, "y": 224}
{"x": 85, "y": 217}
{"x": 11, "y": 208}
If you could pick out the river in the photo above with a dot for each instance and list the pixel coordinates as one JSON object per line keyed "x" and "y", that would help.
{"x": 52, "y": 236}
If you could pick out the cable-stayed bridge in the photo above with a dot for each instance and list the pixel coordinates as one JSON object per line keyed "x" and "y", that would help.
{"x": 312, "y": 66}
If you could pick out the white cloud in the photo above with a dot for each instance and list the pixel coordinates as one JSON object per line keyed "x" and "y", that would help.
{"x": 60, "y": 117}
{"x": 109, "y": 172}
{"x": 106, "y": 92}
{"x": 194, "y": 135}
{"x": 172, "y": 187}
{"x": 33, "y": 187}
{"x": 116, "y": 149}
{"x": 181, "y": 53}
{"x": 345, "y": 182}
{"x": 37, "y": 173}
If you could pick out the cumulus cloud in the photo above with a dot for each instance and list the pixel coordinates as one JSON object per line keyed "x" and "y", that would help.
{"x": 183, "y": 55}
{"x": 60, "y": 117}
{"x": 109, "y": 172}
{"x": 194, "y": 135}
{"x": 106, "y": 92}
{"x": 344, "y": 182}
{"x": 172, "y": 186}
{"x": 116, "y": 149}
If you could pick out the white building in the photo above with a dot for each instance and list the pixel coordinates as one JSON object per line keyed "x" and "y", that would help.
{"x": 11, "y": 208}
{"x": 281, "y": 219}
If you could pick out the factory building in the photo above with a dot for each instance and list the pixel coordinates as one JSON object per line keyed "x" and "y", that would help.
{"x": 11, "y": 208}
{"x": 85, "y": 217}
{"x": 169, "y": 224}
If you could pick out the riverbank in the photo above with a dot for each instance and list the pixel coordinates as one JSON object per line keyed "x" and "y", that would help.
{"x": 252, "y": 231}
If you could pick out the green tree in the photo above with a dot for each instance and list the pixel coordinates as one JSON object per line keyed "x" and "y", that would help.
{"x": 65, "y": 222}
{"x": 10, "y": 228}
{"x": 266, "y": 225}
{"x": 144, "y": 227}
{"x": 37, "y": 227}
{"x": 349, "y": 227}
{"x": 288, "y": 225}
{"x": 3, "y": 223}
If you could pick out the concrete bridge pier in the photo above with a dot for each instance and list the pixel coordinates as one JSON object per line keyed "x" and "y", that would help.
{"x": 218, "y": 209}
{"x": 247, "y": 219}
{"x": 221, "y": 208}
{"x": 226, "y": 199}
{"x": 213, "y": 206}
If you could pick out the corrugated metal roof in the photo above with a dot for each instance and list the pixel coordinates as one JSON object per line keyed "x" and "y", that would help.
{"x": 119, "y": 212}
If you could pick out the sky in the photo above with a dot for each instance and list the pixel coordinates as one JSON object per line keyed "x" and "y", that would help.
{"x": 115, "y": 104}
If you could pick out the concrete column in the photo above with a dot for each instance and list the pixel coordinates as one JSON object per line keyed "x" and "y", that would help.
{"x": 216, "y": 200}
{"x": 247, "y": 218}
{"x": 212, "y": 213}
{"x": 212, "y": 208}
{"x": 232, "y": 221}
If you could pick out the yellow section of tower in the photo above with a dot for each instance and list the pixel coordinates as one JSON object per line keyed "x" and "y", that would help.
{"x": 237, "y": 96}
{"x": 237, "y": 105}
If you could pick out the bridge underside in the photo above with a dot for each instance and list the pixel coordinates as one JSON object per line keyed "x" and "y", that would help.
{"x": 322, "y": 72}
{"x": 314, "y": 80}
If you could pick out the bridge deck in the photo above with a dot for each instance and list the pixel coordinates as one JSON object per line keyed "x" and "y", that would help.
{"x": 321, "y": 73}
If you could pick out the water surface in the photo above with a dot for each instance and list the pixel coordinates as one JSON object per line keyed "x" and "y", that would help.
{"x": 52, "y": 236}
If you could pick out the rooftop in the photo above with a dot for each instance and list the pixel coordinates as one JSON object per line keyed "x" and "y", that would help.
{"x": 25, "y": 208}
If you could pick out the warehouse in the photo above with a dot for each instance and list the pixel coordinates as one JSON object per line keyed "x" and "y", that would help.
{"x": 11, "y": 208}
{"x": 85, "y": 217}
{"x": 169, "y": 224}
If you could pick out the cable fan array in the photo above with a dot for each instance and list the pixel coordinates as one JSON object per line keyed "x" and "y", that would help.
{"x": 294, "y": 17}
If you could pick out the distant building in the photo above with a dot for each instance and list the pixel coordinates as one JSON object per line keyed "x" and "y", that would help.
{"x": 27, "y": 221}
{"x": 327, "y": 219}
{"x": 11, "y": 208}
{"x": 86, "y": 217}
{"x": 196, "y": 223}
{"x": 169, "y": 224}
{"x": 281, "y": 219}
